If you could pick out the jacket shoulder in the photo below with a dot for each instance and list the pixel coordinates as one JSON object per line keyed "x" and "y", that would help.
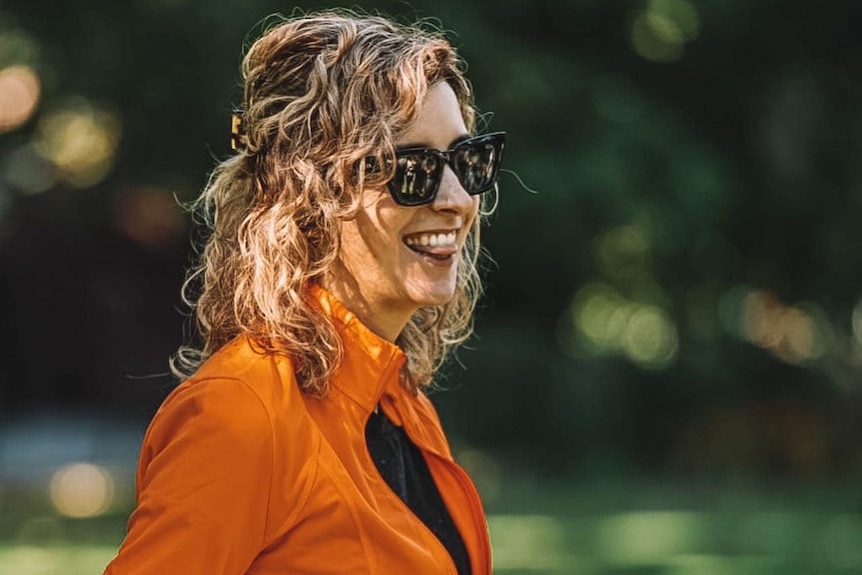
{"x": 241, "y": 414}
{"x": 268, "y": 375}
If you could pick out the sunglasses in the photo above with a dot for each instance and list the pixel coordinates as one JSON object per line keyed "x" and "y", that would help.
{"x": 419, "y": 171}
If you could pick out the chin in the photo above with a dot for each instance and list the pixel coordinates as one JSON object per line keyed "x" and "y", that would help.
{"x": 433, "y": 295}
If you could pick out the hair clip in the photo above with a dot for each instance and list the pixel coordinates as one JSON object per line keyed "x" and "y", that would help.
{"x": 238, "y": 137}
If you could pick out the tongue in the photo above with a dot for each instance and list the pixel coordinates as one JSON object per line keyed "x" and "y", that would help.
{"x": 438, "y": 251}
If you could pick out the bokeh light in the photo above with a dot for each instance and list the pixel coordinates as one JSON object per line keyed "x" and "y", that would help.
{"x": 81, "y": 141}
{"x": 759, "y": 321}
{"x": 681, "y": 13}
{"x": 651, "y": 338}
{"x": 660, "y": 32}
{"x": 20, "y": 91}
{"x": 82, "y": 490}
{"x": 655, "y": 38}
{"x": 28, "y": 171}
{"x": 599, "y": 313}
{"x": 794, "y": 334}
{"x": 610, "y": 323}
{"x": 800, "y": 336}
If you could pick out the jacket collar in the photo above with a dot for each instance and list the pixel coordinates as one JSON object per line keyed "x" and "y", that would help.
{"x": 371, "y": 365}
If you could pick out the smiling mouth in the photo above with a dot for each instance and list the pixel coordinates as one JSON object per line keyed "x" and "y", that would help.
{"x": 437, "y": 245}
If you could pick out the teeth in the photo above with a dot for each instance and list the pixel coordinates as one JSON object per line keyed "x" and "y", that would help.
{"x": 432, "y": 240}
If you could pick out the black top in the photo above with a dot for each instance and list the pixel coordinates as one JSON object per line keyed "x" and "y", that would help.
{"x": 404, "y": 468}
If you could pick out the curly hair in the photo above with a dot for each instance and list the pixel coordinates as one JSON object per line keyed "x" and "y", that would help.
{"x": 322, "y": 93}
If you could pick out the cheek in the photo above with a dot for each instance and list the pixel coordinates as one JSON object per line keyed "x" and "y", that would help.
{"x": 376, "y": 234}
{"x": 385, "y": 226}
{"x": 472, "y": 213}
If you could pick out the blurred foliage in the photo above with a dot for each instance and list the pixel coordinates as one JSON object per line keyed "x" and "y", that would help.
{"x": 678, "y": 245}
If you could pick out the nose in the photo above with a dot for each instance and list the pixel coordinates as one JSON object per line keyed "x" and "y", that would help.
{"x": 451, "y": 197}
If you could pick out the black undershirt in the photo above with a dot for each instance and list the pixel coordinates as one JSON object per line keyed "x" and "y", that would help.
{"x": 404, "y": 468}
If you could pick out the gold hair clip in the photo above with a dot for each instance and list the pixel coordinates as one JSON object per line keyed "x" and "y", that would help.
{"x": 238, "y": 137}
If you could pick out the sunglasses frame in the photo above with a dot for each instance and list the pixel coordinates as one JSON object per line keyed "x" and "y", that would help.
{"x": 498, "y": 139}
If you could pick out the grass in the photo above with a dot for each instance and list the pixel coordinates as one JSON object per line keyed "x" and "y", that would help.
{"x": 54, "y": 559}
{"x": 647, "y": 527}
{"x": 544, "y": 527}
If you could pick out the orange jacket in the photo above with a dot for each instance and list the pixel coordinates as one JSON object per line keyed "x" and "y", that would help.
{"x": 242, "y": 473}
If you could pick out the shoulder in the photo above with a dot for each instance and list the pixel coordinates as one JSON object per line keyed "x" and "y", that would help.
{"x": 232, "y": 395}
{"x": 223, "y": 411}
{"x": 254, "y": 371}
{"x": 227, "y": 436}
{"x": 241, "y": 359}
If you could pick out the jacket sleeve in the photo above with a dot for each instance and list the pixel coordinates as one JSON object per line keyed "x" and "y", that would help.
{"x": 204, "y": 481}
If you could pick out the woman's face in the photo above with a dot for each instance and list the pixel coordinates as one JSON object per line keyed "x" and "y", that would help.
{"x": 396, "y": 259}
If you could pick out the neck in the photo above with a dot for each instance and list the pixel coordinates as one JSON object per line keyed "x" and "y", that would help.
{"x": 382, "y": 318}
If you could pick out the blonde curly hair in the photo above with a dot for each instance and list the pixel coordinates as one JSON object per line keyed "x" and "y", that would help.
{"x": 322, "y": 94}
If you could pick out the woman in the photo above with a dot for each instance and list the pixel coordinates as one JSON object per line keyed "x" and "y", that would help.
{"x": 339, "y": 273}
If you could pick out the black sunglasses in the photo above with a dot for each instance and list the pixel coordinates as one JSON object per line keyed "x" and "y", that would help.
{"x": 419, "y": 171}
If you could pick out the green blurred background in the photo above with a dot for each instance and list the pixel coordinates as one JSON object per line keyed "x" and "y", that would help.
{"x": 667, "y": 373}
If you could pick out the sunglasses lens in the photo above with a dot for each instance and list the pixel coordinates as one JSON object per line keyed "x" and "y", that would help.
{"x": 418, "y": 171}
{"x": 417, "y": 176}
{"x": 476, "y": 164}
